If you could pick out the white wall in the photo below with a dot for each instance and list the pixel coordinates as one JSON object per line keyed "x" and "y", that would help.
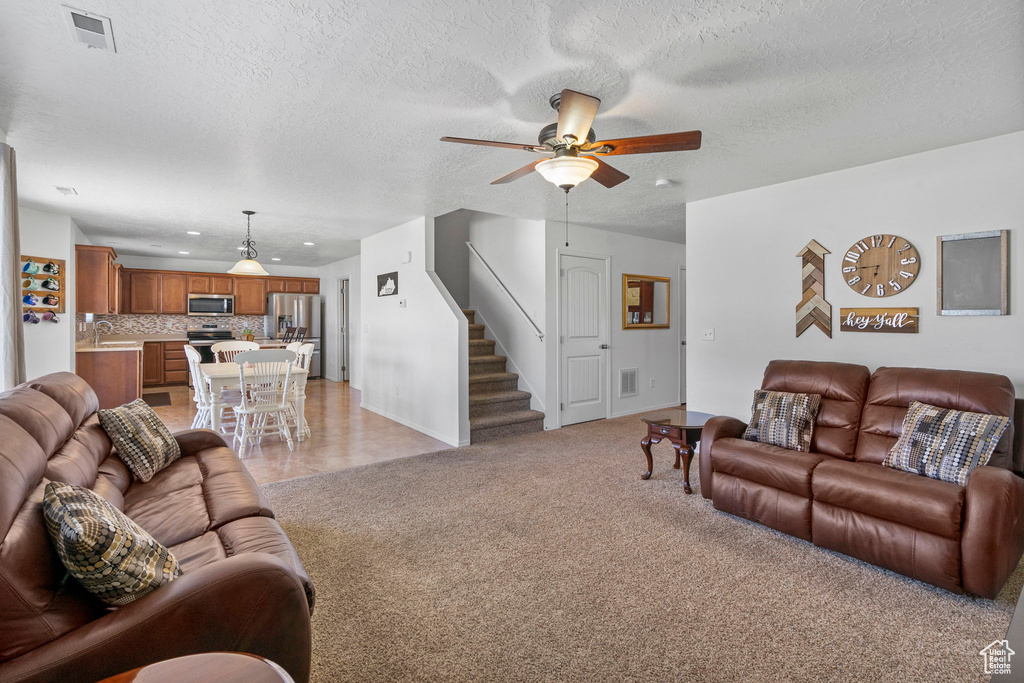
{"x": 514, "y": 249}
{"x": 744, "y": 276}
{"x": 50, "y": 347}
{"x": 414, "y": 357}
{"x": 451, "y": 255}
{"x": 331, "y": 276}
{"x": 159, "y": 263}
{"x": 655, "y": 353}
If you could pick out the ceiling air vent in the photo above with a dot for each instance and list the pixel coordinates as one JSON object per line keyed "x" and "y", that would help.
{"x": 627, "y": 382}
{"x": 89, "y": 29}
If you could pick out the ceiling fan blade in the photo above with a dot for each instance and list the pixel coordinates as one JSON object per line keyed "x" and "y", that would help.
{"x": 517, "y": 174}
{"x": 609, "y": 176}
{"x": 669, "y": 142}
{"x": 576, "y": 113}
{"x": 491, "y": 143}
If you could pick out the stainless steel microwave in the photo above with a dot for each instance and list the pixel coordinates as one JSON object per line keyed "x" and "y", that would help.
{"x": 211, "y": 305}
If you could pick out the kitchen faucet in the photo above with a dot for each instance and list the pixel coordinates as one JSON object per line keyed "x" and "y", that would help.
{"x": 96, "y": 327}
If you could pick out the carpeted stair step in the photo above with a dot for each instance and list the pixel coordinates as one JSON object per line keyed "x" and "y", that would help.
{"x": 498, "y": 403}
{"x": 476, "y": 331}
{"x": 485, "y": 365}
{"x": 470, "y": 315}
{"x": 502, "y": 426}
{"x": 492, "y": 383}
{"x": 481, "y": 347}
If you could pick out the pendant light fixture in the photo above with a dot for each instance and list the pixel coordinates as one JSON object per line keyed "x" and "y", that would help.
{"x": 248, "y": 265}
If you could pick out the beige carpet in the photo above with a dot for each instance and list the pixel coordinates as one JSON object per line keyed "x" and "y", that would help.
{"x": 546, "y": 558}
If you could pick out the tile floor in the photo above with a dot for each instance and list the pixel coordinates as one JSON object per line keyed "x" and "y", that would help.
{"x": 344, "y": 435}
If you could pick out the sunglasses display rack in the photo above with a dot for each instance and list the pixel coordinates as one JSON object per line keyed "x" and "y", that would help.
{"x": 43, "y": 288}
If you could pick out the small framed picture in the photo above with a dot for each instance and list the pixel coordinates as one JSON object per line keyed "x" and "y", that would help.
{"x": 387, "y": 284}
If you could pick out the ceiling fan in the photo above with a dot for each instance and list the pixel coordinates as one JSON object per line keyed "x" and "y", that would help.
{"x": 576, "y": 149}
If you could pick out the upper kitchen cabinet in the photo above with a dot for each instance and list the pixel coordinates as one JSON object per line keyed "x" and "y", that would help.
{"x": 96, "y": 286}
{"x": 144, "y": 292}
{"x": 275, "y": 285}
{"x": 311, "y": 286}
{"x": 210, "y": 284}
{"x": 250, "y": 295}
{"x": 293, "y": 286}
{"x": 173, "y": 293}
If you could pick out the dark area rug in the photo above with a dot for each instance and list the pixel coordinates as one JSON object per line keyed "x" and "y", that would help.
{"x": 157, "y": 399}
{"x": 546, "y": 558}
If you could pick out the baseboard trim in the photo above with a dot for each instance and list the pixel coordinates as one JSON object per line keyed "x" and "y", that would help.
{"x": 644, "y": 410}
{"x": 412, "y": 425}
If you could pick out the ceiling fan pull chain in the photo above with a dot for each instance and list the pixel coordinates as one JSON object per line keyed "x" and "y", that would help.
{"x": 566, "y": 216}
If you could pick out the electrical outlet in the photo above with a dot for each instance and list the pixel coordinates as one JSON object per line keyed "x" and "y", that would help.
{"x": 652, "y": 383}
{"x": 708, "y": 334}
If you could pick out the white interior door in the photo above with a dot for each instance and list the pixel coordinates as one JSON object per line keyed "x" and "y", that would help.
{"x": 682, "y": 334}
{"x": 584, "y": 339}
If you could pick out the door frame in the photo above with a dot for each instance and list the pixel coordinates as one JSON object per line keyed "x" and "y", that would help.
{"x": 344, "y": 288}
{"x": 562, "y": 251}
{"x": 681, "y": 301}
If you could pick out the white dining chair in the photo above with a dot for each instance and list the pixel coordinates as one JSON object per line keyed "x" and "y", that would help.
{"x": 225, "y": 351}
{"x": 265, "y": 378}
{"x": 202, "y": 396}
{"x": 303, "y": 360}
{"x": 293, "y": 347}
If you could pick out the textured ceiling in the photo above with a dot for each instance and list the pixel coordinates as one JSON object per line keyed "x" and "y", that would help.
{"x": 324, "y": 116}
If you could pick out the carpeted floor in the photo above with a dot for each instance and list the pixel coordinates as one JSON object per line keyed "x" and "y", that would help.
{"x": 546, "y": 558}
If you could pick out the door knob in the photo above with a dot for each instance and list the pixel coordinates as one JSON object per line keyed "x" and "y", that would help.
{"x": 604, "y": 346}
{"x": 684, "y": 342}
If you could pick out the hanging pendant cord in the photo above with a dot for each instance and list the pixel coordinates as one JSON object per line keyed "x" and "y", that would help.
{"x": 566, "y": 216}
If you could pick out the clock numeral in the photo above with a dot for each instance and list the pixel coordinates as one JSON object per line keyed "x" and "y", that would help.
{"x": 880, "y": 290}
{"x": 850, "y": 269}
{"x": 876, "y": 240}
{"x": 903, "y": 248}
{"x": 891, "y": 242}
{"x": 866, "y": 288}
{"x": 905, "y": 274}
{"x": 862, "y": 245}
{"x": 895, "y": 285}
{"x": 852, "y": 256}
{"x": 853, "y": 280}
{"x": 908, "y": 261}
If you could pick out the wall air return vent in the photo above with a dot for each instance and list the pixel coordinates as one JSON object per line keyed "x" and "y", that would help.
{"x": 627, "y": 382}
{"x": 89, "y": 29}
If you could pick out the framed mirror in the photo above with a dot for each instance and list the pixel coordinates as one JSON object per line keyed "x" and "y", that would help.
{"x": 645, "y": 302}
{"x": 973, "y": 272}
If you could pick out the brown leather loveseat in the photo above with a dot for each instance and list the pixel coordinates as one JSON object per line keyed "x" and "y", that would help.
{"x": 839, "y": 495}
{"x": 243, "y": 587}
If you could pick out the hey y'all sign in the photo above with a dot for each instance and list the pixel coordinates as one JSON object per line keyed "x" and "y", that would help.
{"x": 878, "y": 320}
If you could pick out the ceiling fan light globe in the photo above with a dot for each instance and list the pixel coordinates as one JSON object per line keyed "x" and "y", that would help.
{"x": 567, "y": 171}
{"x": 248, "y": 266}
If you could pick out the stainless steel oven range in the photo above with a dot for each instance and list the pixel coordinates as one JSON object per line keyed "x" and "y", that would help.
{"x": 202, "y": 336}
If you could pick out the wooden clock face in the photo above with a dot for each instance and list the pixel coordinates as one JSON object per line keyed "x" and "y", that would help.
{"x": 881, "y": 265}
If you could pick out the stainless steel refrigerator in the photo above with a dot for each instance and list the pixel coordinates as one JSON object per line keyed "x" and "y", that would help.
{"x": 297, "y": 310}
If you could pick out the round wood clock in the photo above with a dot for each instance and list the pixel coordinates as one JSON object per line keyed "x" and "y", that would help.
{"x": 881, "y": 265}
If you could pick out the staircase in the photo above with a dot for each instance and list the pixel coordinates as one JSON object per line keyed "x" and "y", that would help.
{"x": 496, "y": 406}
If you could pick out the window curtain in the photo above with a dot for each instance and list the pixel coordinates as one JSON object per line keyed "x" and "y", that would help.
{"x": 12, "y": 342}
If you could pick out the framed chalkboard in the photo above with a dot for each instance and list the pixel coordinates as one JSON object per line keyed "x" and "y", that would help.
{"x": 973, "y": 270}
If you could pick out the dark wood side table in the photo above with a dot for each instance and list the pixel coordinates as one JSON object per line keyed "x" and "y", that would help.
{"x": 223, "y": 667}
{"x": 679, "y": 426}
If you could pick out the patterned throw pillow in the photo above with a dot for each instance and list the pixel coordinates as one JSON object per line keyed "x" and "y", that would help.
{"x": 141, "y": 439}
{"x": 109, "y": 554}
{"x": 783, "y": 419}
{"x": 945, "y": 444}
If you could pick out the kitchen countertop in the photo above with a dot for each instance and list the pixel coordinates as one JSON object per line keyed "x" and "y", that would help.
{"x": 88, "y": 346}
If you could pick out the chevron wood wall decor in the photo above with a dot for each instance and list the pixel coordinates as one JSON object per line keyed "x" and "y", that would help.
{"x": 813, "y": 309}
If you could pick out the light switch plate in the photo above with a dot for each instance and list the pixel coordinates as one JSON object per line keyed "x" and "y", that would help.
{"x": 708, "y": 334}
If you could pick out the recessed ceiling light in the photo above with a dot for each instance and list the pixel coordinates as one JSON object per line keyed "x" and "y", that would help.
{"x": 66, "y": 190}
{"x": 192, "y": 232}
{"x": 309, "y": 244}
{"x": 182, "y": 252}
{"x": 274, "y": 258}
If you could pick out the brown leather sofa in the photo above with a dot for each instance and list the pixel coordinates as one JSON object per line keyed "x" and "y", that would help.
{"x": 839, "y": 495}
{"x": 243, "y": 587}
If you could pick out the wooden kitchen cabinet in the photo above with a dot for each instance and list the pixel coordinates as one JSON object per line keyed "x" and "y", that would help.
{"x": 250, "y": 295}
{"x": 222, "y": 284}
{"x": 311, "y": 286}
{"x": 145, "y": 292}
{"x": 174, "y": 293}
{"x": 115, "y": 376}
{"x": 175, "y": 363}
{"x": 275, "y": 285}
{"x": 211, "y": 284}
{"x": 95, "y": 279}
{"x": 152, "y": 364}
{"x": 293, "y": 286}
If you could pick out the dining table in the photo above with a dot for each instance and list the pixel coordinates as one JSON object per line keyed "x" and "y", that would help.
{"x": 225, "y": 376}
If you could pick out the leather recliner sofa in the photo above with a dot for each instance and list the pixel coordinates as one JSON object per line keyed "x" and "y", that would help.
{"x": 243, "y": 587}
{"x": 839, "y": 496}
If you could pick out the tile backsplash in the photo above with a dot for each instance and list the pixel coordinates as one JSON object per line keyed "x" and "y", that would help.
{"x": 138, "y": 323}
